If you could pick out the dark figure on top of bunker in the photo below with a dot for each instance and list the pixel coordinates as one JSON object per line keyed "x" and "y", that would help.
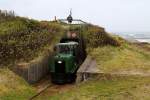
{"x": 69, "y": 18}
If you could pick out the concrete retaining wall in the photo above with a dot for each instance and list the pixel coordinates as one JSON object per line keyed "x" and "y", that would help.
{"x": 87, "y": 70}
{"x": 34, "y": 70}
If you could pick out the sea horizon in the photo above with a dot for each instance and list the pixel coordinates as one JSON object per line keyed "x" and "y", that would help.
{"x": 139, "y": 36}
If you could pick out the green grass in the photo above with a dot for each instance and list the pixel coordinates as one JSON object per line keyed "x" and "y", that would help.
{"x": 12, "y": 87}
{"x": 124, "y": 58}
{"x": 116, "y": 88}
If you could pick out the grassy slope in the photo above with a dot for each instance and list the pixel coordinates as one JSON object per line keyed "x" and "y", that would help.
{"x": 12, "y": 86}
{"x": 114, "y": 54}
{"x": 127, "y": 88}
{"x": 124, "y": 58}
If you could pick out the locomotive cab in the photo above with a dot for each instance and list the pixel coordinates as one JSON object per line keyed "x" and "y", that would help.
{"x": 65, "y": 63}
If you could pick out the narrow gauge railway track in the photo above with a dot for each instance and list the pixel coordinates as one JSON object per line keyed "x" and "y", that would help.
{"x": 52, "y": 89}
{"x": 46, "y": 87}
{"x": 41, "y": 86}
{"x": 41, "y": 91}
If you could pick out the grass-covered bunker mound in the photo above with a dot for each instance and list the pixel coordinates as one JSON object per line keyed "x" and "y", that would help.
{"x": 113, "y": 54}
{"x": 22, "y": 39}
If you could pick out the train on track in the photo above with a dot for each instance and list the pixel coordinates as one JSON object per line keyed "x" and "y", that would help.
{"x": 70, "y": 52}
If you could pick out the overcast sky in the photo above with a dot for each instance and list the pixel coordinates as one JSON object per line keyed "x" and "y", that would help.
{"x": 114, "y": 15}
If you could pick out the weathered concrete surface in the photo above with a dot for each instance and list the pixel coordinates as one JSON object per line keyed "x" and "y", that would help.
{"x": 87, "y": 70}
{"x": 34, "y": 70}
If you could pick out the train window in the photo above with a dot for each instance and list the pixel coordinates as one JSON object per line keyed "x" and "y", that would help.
{"x": 66, "y": 48}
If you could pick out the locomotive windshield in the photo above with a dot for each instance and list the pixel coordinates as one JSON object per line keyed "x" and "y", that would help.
{"x": 66, "y": 48}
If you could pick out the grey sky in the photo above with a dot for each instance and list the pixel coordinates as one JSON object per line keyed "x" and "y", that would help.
{"x": 114, "y": 15}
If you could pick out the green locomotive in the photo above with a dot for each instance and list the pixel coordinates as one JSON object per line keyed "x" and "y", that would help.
{"x": 69, "y": 54}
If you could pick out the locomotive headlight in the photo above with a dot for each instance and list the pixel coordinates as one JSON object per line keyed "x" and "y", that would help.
{"x": 59, "y": 62}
